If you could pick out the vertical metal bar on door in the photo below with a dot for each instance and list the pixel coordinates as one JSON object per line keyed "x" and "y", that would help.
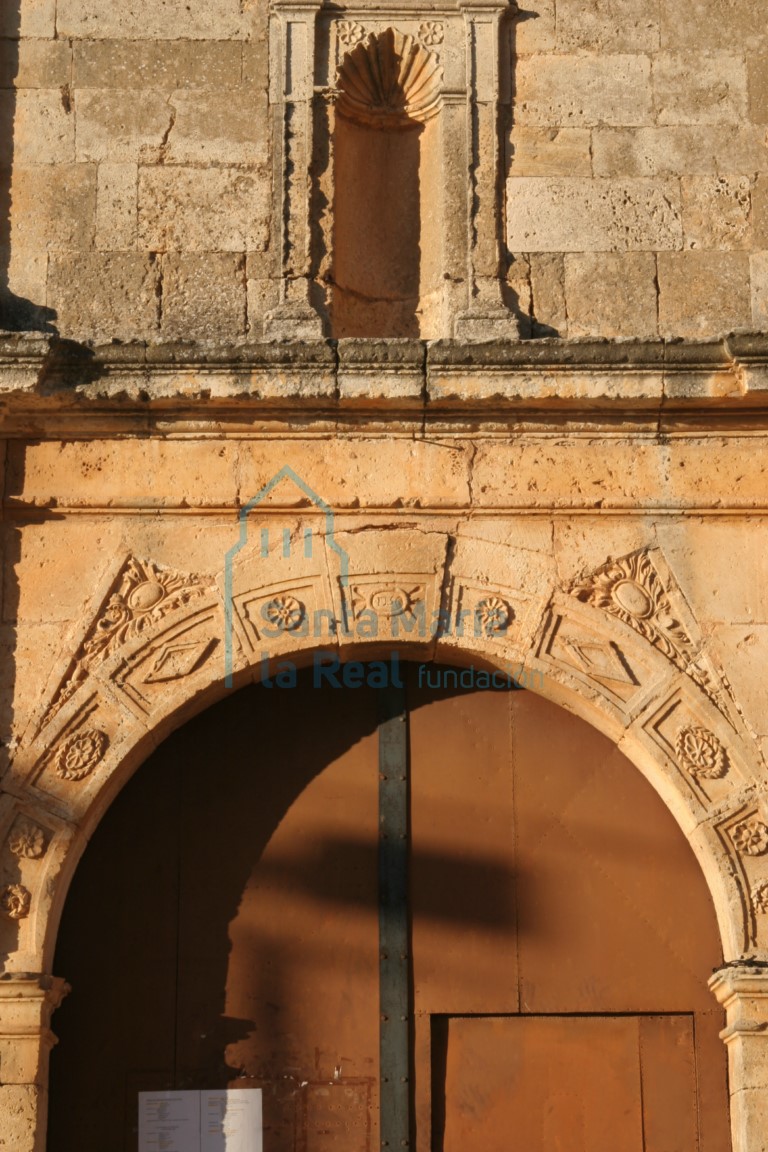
{"x": 394, "y": 959}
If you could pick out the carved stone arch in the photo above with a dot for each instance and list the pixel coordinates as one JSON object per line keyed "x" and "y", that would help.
{"x": 434, "y": 597}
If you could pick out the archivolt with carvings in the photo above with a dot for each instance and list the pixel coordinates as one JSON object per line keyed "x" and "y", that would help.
{"x": 619, "y": 647}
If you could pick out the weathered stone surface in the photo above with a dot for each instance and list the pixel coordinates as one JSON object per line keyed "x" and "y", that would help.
{"x": 550, "y": 152}
{"x": 203, "y": 296}
{"x": 103, "y": 296}
{"x": 561, "y": 215}
{"x": 116, "y": 204}
{"x": 256, "y": 60}
{"x": 203, "y": 210}
{"x": 121, "y": 125}
{"x": 710, "y": 24}
{"x": 698, "y": 88}
{"x": 176, "y": 20}
{"x": 611, "y": 294}
{"x": 548, "y": 308}
{"x": 263, "y": 293}
{"x": 28, "y": 18}
{"x": 165, "y": 65}
{"x": 757, "y": 88}
{"x": 716, "y": 211}
{"x": 760, "y": 213}
{"x": 693, "y": 150}
{"x": 607, "y": 26}
{"x": 53, "y": 206}
{"x": 44, "y": 127}
{"x": 758, "y": 264}
{"x": 218, "y": 128}
{"x": 37, "y": 63}
{"x": 581, "y": 91}
{"x": 703, "y": 292}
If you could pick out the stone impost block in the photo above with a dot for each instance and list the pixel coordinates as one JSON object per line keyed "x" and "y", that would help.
{"x": 204, "y": 210}
{"x": 611, "y": 294}
{"x": 26, "y": 1005}
{"x": 203, "y": 296}
{"x": 697, "y": 88}
{"x": 579, "y": 215}
{"x": 581, "y": 91}
{"x": 716, "y": 211}
{"x": 703, "y": 293}
{"x": 163, "y": 65}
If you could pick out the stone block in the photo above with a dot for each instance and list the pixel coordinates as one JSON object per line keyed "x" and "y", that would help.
{"x": 699, "y": 88}
{"x": 30, "y": 18}
{"x": 53, "y": 206}
{"x": 134, "y": 19}
{"x": 104, "y": 296}
{"x": 19, "y": 1104}
{"x": 133, "y": 473}
{"x": 204, "y": 296}
{"x": 758, "y": 267}
{"x": 703, "y": 294}
{"x": 709, "y": 24}
{"x": 256, "y": 61}
{"x": 606, "y": 26}
{"x": 550, "y": 152}
{"x": 760, "y": 213}
{"x": 263, "y": 295}
{"x": 743, "y": 650}
{"x": 121, "y": 125}
{"x": 116, "y": 203}
{"x": 611, "y": 294}
{"x": 757, "y": 88}
{"x": 218, "y": 128}
{"x": 548, "y": 311}
{"x": 35, "y": 63}
{"x": 534, "y": 31}
{"x": 580, "y": 215}
{"x": 716, "y": 211}
{"x": 165, "y": 65}
{"x": 581, "y": 91}
{"x": 695, "y": 150}
{"x": 204, "y": 210}
{"x": 43, "y": 125}
{"x": 721, "y": 566}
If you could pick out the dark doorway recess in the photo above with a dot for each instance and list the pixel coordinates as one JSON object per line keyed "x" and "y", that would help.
{"x": 223, "y": 930}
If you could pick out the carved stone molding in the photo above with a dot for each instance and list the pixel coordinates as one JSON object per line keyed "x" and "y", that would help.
{"x": 143, "y": 595}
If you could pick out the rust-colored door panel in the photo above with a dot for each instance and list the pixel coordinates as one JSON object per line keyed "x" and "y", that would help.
{"x": 569, "y": 1084}
{"x": 222, "y": 929}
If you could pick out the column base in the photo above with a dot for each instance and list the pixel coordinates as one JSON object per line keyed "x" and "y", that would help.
{"x": 484, "y": 324}
{"x": 293, "y": 322}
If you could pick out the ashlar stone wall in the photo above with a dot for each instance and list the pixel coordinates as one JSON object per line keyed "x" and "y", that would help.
{"x": 136, "y": 197}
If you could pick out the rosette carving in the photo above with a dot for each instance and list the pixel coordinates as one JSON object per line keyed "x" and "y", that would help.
{"x": 700, "y": 752}
{"x": 15, "y": 901}
{"x": 77, "y": 757}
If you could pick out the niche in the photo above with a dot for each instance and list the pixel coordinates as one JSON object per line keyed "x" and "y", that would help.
{"x": 387, "y": 198}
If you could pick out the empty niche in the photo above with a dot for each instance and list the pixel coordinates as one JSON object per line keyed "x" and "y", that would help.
{"x": 387, "y": 201}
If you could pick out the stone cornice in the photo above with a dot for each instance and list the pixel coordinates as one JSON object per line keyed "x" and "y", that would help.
{"x": 44, "y": 381}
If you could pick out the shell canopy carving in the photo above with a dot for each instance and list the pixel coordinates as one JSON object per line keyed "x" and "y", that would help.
{"x": 389, "y": 80}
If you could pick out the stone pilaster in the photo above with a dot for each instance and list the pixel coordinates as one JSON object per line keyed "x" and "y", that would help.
{"x": 26, "y": 1039}
{"x": 743, "y": 992}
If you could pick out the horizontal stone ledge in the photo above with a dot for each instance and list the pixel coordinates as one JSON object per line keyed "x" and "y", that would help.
{"x": 39, "y": 373}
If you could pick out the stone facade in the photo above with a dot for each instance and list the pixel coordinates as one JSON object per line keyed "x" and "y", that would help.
{"x": 559, "y": 412}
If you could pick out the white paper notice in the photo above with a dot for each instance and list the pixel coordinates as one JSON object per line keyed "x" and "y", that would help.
{"x": 231, "y": 1120}
{"x": 227, "y": 1120}
{"x": 169, "y": 1121}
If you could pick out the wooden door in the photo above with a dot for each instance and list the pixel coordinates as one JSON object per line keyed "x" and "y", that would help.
{"x": 222, "y": 930}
